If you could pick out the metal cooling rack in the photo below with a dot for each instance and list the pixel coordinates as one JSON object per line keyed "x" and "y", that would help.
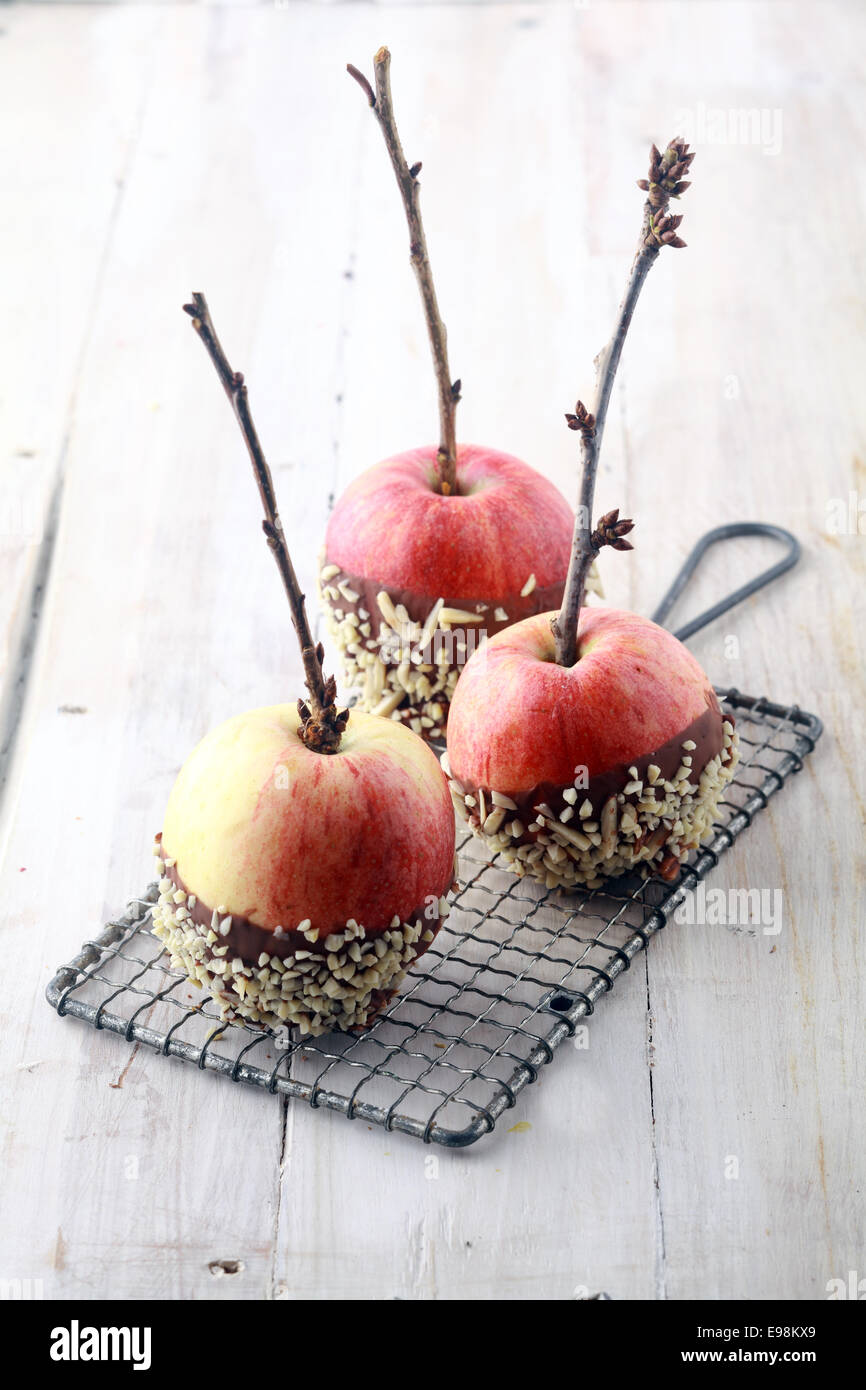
{"x": 507, "y": 979}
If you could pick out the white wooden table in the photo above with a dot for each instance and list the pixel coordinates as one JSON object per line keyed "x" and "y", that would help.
{"x": 152, "y": 149}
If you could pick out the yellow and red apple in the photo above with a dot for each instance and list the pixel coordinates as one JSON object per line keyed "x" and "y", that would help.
{"x": 299, "y": 886}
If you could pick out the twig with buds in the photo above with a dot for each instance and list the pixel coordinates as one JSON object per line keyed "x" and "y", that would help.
{"x": 611, "y": 531}
{"x": 658, "y": 229}
{"x": 407, "y": 181}
{"x": 321, "y": 724}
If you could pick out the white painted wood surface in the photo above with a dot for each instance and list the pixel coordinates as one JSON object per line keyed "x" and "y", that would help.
{"x": 148, "y": 150}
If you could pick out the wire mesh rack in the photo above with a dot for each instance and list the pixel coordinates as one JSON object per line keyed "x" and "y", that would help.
{"x": 509, "y": 977}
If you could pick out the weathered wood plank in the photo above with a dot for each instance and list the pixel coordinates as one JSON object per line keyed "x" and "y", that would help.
{"x": 63, "y": 167}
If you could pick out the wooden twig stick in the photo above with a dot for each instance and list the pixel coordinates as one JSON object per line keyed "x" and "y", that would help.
{"x": 407, "y": 181}
{"x": 657, "y": 229}
{"x": 321, "y": 724}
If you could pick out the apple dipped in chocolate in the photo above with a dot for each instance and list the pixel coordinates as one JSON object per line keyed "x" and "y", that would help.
{"x": 589, "y": 743}
{"x": 306, "y": 853}
{"x": 429, "y": 551}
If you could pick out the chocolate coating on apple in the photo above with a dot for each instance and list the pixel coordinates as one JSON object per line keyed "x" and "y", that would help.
{"x": 359, "y": 595}
{"x": 249, "y": 939}
{"x": 647, "y": 816}
{"x": 299, "y": 978}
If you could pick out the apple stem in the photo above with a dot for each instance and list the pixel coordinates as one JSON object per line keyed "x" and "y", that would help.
{"x": 407, "y": 181}
{"x": 658, "y": 229}
{"x": 321, "y": 724}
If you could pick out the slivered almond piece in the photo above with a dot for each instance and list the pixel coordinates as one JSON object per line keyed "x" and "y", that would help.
{"x": 494, "y": 820}
{"x": 386, "y": 608}
{"x": 389, "y": 702}
{"x": 455, "y": 616}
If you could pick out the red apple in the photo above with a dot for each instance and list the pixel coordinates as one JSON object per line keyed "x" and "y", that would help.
{"x": 578, "y": 772}
{"x": 401, "y": 560}
{"x": 299, "y": 886}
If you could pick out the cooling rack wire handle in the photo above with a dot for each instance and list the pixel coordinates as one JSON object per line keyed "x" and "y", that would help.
{"x": 726, "y": 533}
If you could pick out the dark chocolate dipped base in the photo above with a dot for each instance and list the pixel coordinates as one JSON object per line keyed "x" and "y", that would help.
{"x": 293, "y": 978}
{"x": 647, "y": 814}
